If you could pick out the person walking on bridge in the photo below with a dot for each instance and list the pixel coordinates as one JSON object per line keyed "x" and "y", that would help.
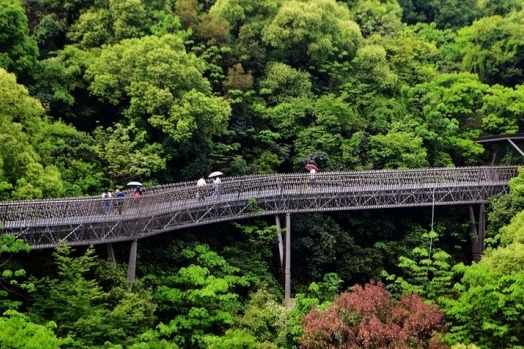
{"x": 312, "y": 168}
{"x": 106, "y": 204}
{"x": 216, "y": 186}
{"x": 201, "y": 183}
{"x": 137, "y": 193}
{"x": 119, "y": 200}
{"x": 312, "y": 178}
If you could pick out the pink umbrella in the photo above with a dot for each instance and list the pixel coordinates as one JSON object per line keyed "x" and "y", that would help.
{"x": 310, "y": 167}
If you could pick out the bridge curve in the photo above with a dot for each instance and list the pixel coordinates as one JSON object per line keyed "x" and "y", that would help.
{"x": 81, "y": 221}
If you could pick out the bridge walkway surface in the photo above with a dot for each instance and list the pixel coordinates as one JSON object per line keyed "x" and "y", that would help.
{"x": 81, "y": 221}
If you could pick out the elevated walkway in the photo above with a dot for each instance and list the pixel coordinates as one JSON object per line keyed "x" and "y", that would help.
{"x": 81, "y": 221}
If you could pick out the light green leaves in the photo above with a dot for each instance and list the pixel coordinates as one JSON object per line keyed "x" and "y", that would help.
{"x": 19, "y": 332}
{"x": 155, "y": 81}
{"x": 489, "y": 309}
{"x": 397, "y": 149}
{"x": 374, "y": 16}
{"x": 195, "y": 113}
{"x": 371, "y": 68}
{"x": 127, "y": 153}
{"x": 150, "y": 60}
{"x": 503, "y": 108}
{"x": 24, "y": 124}
{"x": 313, "y": 32}
{"x": 282, "y": 83}
{"x": 13, "y": 279}
{"x": 447, "y": 107}
{"x": 491, "y": 48}
{"x": 19, "y": 52}
{"x": 200, "y": 299}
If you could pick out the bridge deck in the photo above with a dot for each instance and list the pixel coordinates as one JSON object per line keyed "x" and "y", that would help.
{"x": 80, "y": 221}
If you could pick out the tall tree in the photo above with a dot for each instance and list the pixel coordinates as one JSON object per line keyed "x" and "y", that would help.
{"x": 49, "y": 21}
{"x": 499, "y": 7}
{"x": 428, "y": 273}
{"x": 487, "y": 311}
{"x": 503, "y": 109}
{"x": 377, "y": 17}
{"x": 334, "y": 120}
{"x": 12, "y": 276}
{"x": 160, "y": 89}
{"x": 493, "y": 48}
{"x": 127, "y": 154}
{"x": 315, "y": 35}
{"x": 246, "y": 21}
{"x": 281, "y": 83}
{"x": 448, "y": 116}
{"x": 19, "y": 51}
{"x": 397, "y": 149}
{"x": 262, "y": 325}
{"x": 445, "y": 13}
{"x": 370, "y": 70}
{"x": 23, "y": 174}
{"x": 17, "y": 329}
{"x": 504, "y": 207}
{"x": 199, "y": 299}
{"x": 85, "y": 311}
{"x": 110, "y": 21}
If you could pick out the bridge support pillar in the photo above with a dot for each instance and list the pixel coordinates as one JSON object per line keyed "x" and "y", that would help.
{"x": 478, "y": 232}
{"x": 131, "y": 267}
{"x": 287, "y": 269}
{"x": 111, "y": 253}
{"x": 280, "y": 242}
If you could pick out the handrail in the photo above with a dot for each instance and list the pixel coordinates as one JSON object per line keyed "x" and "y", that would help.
{"x": 277, "y": 193}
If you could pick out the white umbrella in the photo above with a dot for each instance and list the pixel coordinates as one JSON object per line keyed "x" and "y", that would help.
{"x": 215, "y": 174}
{"x": 138, "y": 184}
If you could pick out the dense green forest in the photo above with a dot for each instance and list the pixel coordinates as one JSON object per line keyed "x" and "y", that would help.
{"x": 95, "y": 93}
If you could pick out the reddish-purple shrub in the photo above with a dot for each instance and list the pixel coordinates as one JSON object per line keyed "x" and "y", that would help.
{"x": 368, "y": 317}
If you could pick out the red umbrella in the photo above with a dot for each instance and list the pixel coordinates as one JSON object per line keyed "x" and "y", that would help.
{"x": 310, "y": 167}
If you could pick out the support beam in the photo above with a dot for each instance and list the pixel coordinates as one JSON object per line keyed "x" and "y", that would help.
{"x": 280, "y": 242}
{"x": 494, "y": 159}
{"x": 131, "y": 267}
{"x": 111, "y": 253}
{"x": 478, "y": 232}
{"x": 474, "y": 235}
{"x": 482, "y": 227}
{"x": 515, "y": 146}
{"x": 287, "y": 270}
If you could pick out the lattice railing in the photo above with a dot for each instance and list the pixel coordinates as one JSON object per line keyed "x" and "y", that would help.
{"x": 43, "y": 223}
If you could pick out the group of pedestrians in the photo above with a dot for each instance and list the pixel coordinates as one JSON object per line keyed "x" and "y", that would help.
{"x": 108, "y": 203}
{"x": 200, "y": 193}
{"x": 201, "y": 184}
{"x": 311, "y": 166}
{"x": 115, "y": 200}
